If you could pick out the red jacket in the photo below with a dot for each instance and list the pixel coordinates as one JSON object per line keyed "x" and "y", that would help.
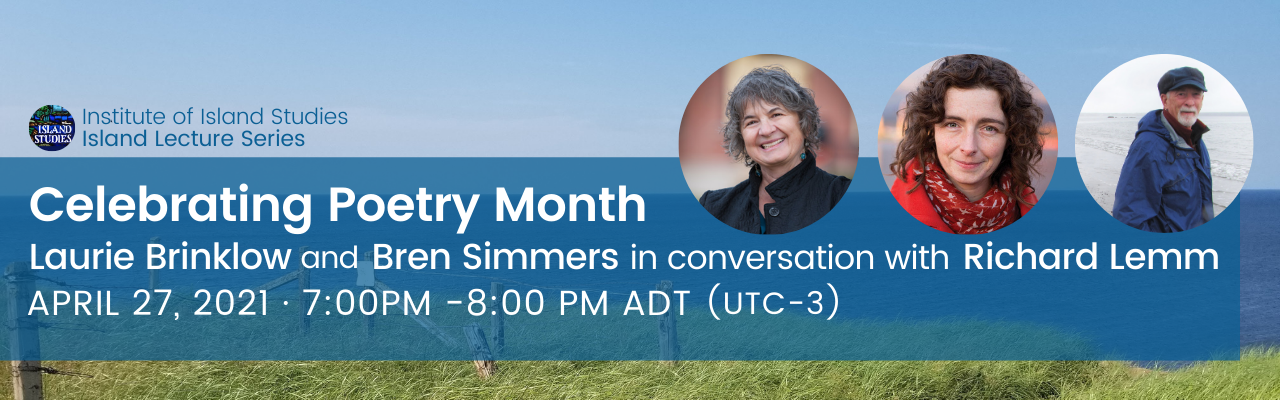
{"x": 918, "y": 205}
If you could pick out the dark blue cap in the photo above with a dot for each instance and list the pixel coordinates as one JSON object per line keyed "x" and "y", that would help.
{"x": 1179, "y": 77}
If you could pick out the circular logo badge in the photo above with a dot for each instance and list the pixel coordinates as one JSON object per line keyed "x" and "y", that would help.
{"x": 52, "y": 128}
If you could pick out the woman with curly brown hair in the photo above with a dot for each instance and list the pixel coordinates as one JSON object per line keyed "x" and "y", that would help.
{"x": 773, "y": 128}
{"x": 970, "y": 144}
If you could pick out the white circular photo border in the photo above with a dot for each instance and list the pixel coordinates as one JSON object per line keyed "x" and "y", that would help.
{"x": 892, "y": 120}
{"x": 1109, "y": 120}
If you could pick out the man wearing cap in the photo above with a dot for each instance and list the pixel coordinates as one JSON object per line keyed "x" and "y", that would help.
{"x": 1166, "y": 184}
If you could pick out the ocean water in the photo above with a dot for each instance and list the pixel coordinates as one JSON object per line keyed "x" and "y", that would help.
{"x": 1259, "y": 269}
{"x": 1102, "y": 141}
{"x": 958, "y": 313}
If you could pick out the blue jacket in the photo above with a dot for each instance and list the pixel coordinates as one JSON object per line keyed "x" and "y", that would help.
{"x": 1165, "y": 185}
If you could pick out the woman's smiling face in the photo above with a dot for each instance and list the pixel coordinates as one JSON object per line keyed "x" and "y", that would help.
{"x": 772, "y": 136}
{"x": 971, "y": 139}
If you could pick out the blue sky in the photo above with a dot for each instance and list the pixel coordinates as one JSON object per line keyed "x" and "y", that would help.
{"x": 592, "y": 79}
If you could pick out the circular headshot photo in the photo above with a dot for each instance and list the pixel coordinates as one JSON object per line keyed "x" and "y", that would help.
{"x": 1164, "y": 143}
{"x": 967, "y": 144}
{"x": 768, "y": 144}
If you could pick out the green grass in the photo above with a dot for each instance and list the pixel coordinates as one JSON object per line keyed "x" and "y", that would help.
{"x": 764, "y": 337}
{"x": 1255, "y": 376}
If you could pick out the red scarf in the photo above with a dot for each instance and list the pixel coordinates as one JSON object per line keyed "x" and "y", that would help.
{"x": 993, "y": 211}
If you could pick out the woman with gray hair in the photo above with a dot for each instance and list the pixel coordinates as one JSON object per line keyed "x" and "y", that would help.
{"x": 773, "y": 128}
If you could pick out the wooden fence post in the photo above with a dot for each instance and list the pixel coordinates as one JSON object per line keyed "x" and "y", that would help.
{"x": 24, "y": 334}
{"x": 304, "y": 283}
{"x": 422, "y": 320}
{"x": 155, "y": 273}
{"x": 368, "y": 318}
{"x": 668, "y": 347}
{"x": 496, "y": 322}
{"x": 481, "y": 357}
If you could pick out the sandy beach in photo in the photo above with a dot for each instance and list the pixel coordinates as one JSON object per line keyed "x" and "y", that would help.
{"x": 1102, "y": 141}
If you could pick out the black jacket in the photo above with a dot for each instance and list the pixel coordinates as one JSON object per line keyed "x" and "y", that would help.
{"x": 801, "y": 197}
